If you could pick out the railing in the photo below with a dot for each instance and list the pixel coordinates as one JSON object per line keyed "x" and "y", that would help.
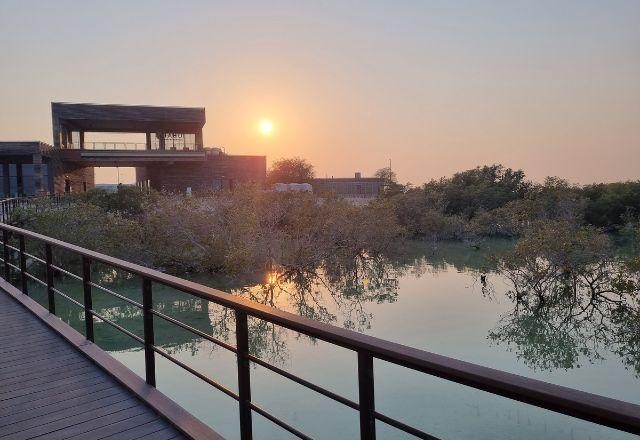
{"x": 597, "y": 409}
{"x": 130, "y": 146}
{"x": 7, "y": 206}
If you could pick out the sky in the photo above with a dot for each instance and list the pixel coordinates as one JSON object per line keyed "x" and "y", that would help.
{"x": 550, "y": 87}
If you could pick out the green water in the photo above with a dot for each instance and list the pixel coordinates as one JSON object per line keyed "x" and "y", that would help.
{"x": 444, "y": 298}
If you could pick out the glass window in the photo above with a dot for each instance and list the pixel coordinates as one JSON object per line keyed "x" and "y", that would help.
{"x": 28, "y": 181}
{"x": 13, "y": 180}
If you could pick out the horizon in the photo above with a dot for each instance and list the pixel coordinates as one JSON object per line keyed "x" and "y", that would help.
{"x": 552, "y": 89}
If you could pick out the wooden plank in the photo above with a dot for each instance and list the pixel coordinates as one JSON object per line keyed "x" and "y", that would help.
{"x": 19, "y": 345}
{"x": 19, "y": 364}
{"x": 88, "y": 419}
{"x": 138, "y": 430}
{"x": 64, "y": 413}
{"x": 93, "y": 375}
{"x": 52, "y": 350}
{"x": 154, "y": 399}
{"x": 42, "y": 377}
{"x": 118, "y": 427}
{"x": 53, "y": 399}
{"x": 41, "y": 369}
{"x": 82, "y": 385}
{"x": 165, "y": 434}
{"x": 70, "y": 404}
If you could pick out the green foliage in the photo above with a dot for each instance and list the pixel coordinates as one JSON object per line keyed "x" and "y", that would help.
{"x": 390, "y": 183}
{"x": 246, "y": 230}
{"x": 129, "y": 201}
{"x": 611, "y": 204}
{"x": 494, "y": 201}
{"x": 86, "y": 225}
{"x": 480, "y": 189}
{"x": 294, "y": 170}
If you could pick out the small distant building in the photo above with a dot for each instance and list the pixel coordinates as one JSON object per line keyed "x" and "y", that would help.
{"x": 292, "y": 187}
{"x": 349, "y": 187}
{"x": 172, "y": 158}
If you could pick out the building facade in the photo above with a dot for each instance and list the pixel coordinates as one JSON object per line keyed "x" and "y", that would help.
{"x": 173, "y": 158}
{"x": 350, "y": 187}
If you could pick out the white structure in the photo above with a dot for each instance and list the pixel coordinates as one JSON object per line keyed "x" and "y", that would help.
{"x": 301, "y": 187}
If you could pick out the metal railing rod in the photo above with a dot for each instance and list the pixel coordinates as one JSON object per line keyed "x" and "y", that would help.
{"x": 68, "y": 298}
{"x": 279, "y": 422}
{"x": 117, "y": 326}
{"x": 36, "y": 279}
{"x": 23, "y": 265}
{"x": 196, "y": 373}
{"x": 13, "y": 266}
{"x": 195, "y": 330}
{"x": 149, "y": 335}
{"x": 403, "y": 427}
{"x": 66, "y": 272}
{"x": 311, "y": 386}
{"x": 117, "y": 295}
{"x": 33, "y": 257}
{"x": 13, "y": 248}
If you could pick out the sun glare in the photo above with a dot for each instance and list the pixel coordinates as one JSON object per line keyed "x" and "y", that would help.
{"x": 265, "y": 127}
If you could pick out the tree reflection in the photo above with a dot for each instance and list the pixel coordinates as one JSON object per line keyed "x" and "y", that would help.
{"x": 337, "y": 293}
{"x": 573, "y": 300}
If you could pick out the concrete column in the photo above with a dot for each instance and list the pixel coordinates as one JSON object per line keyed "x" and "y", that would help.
{"x": 148, "y": 141}
{"x": 198, "y": 140}
{"x": 20, "y": 180}
{"x": 65, "y": 137}
{"x": 81, "y": 139}
{"x": 161, "y": 140}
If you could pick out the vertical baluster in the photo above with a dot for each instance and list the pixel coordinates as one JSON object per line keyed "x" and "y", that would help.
{"x": 244, "y": 375}
{"x": 88, "y": 303}
{"x": 23, "y": 266}
{"x": 366, "y": 396}
{"x": 149, "y": 339}
{"x": 49, "y": 261}
{"x": 5, "y": 250}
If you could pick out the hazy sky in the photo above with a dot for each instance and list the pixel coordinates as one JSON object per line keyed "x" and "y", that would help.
{"x": 552, "y": 87}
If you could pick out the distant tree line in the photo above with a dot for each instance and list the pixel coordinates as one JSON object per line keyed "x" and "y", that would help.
{"x": 250, "y": 229}
{"x": 498, "y": 201}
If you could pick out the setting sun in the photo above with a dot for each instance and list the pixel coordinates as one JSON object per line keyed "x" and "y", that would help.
{"x": 266, "y": 127}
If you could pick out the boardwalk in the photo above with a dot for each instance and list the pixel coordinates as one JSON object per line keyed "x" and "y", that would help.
{"x": 50, "y": 390}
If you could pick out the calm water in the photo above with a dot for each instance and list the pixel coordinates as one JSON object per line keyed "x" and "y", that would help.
{"x": 445, "y": 298}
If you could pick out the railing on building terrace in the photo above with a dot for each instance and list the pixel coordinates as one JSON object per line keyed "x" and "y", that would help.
{"x": 8, "y": 205}
{"x": 597, "y": 409}
{"x": 131, "y": 146}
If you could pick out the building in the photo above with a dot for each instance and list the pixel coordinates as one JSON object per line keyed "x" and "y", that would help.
{"x": 172, "y": 158}
{"x": 349, "y": 187}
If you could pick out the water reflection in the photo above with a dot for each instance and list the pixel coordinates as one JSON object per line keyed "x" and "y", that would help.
{"x": 567, "y": 314}
{"x": 560, "y": 317}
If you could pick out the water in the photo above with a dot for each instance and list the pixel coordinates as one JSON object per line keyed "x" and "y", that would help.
{"x": 445, "y": 299}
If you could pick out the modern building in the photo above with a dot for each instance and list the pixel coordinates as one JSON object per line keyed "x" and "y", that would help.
{"x": 350, "y": 187}
{"x": 172, "y": 158}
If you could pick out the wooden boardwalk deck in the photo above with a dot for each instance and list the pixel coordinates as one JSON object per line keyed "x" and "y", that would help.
{"x": 50, "y": 390}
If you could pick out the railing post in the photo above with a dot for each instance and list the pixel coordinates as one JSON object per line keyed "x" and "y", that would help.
{"x": 366, "y": 396}
{"x": 88, "y": 303}
{"x": 49, "y": 261}
{"x": 5, "y": 250}
{"x": 23, "y": 266}
{"x": 244, "y": 375}
{"x": 149, "y": 340}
